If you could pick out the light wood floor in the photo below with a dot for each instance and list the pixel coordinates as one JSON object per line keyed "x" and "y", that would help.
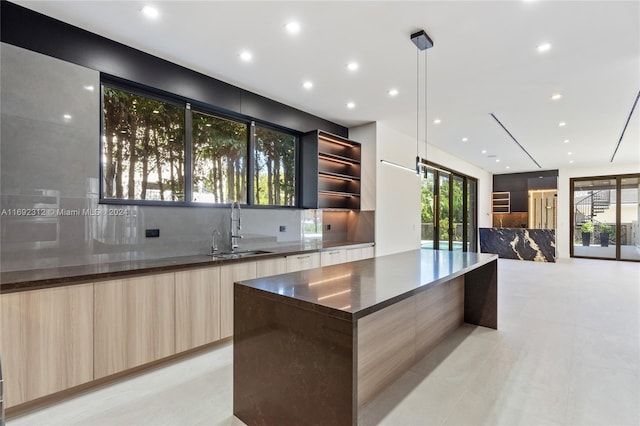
{"x": 566, "y": 353}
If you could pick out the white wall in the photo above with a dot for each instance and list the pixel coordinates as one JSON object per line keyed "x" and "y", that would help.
{"x": 564, "y": 210}
{"x": 394, "y": 193}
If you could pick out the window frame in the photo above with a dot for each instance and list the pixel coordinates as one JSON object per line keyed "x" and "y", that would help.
{"x": 189, "y": 107}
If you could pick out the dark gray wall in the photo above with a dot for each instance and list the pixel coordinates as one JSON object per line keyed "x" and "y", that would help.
{"x": 31, "y": 30}
{"x": 519, "y": 184}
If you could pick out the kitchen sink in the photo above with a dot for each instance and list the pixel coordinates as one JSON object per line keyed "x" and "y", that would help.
{"x": 239, "y": 254}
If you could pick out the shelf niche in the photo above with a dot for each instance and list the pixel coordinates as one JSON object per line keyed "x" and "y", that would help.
{"x": 335, "y": 183}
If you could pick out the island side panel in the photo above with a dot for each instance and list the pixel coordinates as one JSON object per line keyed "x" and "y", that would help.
{"x": 481, "y": 296}
{"x": 291, "y": 366}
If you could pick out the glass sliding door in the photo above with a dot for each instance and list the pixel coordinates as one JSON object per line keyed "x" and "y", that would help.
{"x": 449, "y": 218}
{"x": 443, "y": 214}
{"x": 427, "y": 214}
{"x": 457, "y": 213}
{"x": 604, "y": 220}
{"x": 471, "y": 238}
{"x": 629, "y": 219}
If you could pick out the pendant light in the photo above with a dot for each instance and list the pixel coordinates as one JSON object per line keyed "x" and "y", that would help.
{"x": 423, "y": 42}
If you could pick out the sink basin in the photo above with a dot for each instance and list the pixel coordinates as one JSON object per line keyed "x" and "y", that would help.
{"x": 239, "y": 254}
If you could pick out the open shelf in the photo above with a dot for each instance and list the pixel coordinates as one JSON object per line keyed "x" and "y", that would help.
{"x": 337, "y": 178}
{"x": 500, "y": 202}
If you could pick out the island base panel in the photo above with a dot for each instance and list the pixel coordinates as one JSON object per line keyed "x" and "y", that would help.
{"x": 290, "y": 364}
{"x": 481, "y": 296}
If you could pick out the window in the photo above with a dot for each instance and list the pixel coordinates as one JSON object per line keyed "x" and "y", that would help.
{"x": 143, "y": 147}
{"x": 159, "y": 150}
{"x": 274, "y": 167}
{"x": 219, "y": 159}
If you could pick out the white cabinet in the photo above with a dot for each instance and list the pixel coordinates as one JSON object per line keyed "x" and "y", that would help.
{"x": 300, "y": 262}
{"x": 355, "y": 254}
{"x": 333, "y": 257}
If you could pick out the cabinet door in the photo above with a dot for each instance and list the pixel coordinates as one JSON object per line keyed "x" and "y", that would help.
{"x": 268, "y": 267}
{"x": 134, "y": 322}
{"x": 300, "y": 262}
{"x": 368, "y": 252}
{"x": 197, "y": 307}
{"x": 333, "y": 257}
{"x": 228, "y": 275}
{"x": 354, "y": 254}
{"x": 46, "y": 341}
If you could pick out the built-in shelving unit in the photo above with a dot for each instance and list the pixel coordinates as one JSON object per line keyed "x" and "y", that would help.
{"x": 500, "y": 202}
{"x": 338, "y": 172}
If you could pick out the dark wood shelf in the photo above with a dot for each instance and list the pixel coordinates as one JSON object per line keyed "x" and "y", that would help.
{"x": 332, "y": 175}
{"x": 339, "y": 194}
{"x": 338, "y": 158}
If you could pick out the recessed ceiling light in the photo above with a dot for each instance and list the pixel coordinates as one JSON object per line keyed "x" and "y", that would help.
{"x": 569, "y": 153}
{"x": 484, "y": 151}
{"x": 89, "y": 88}
{"x": 570, "y": 161}
{"x": 562, "y": 124}
{"x": 507, "y": 167}
{"x": 465, "y": 139}
{"x": 556, "y": 97}
{"x": 352, "y": 66}
{"x": 351, "y": 105}
{"x": 497, "y": 160}
{"x": 566, "y": 141}
{"x": 393, "y": 92}
{"x": 246, "y": 55}
{"x": 544, "y": 47}
{"x": 150, "y": 12}
{"x": 293, "y": 27}
{"x": 437, "y": 121}
{"x": 67, "y": 117}
{"x": 307, "y": 85}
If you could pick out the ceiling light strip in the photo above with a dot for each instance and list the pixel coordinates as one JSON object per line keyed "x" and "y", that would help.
{"x": 515, "y": 140}
{"x": 633, "y": 108}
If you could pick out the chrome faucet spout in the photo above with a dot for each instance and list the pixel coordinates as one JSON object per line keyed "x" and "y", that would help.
{"x": 236, "y": 225}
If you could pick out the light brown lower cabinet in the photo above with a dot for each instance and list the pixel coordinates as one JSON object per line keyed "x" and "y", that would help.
{"x": 197, "y": 307}
{"x": 46, "y": 341}
{"x": 333, "y": 257}
{"x": 301, "y": 262}
{"x": 228, "y": 275}
{"x": 268, "y": 267}
{"x": 134, "y": 322}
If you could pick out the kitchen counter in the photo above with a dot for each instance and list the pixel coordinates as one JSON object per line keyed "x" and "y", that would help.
{"x": 13, "y": 281}
{"x": 330, "y": 339}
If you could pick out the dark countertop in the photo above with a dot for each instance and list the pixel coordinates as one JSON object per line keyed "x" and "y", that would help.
{"x": 13, "y": 281}
{"x": 356, "y": 289}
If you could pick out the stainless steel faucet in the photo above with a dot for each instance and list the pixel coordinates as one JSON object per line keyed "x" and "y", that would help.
{"x": 214, "y": 242}
{"x": 236, "y": 225}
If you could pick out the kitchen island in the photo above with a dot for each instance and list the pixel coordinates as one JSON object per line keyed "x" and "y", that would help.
{"x": 314, "y": 347}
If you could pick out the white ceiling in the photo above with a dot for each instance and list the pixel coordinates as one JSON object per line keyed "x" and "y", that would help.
{"x": 484, "y": 61}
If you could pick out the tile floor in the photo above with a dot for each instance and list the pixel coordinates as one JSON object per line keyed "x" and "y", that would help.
{"x": 567, "y": 352}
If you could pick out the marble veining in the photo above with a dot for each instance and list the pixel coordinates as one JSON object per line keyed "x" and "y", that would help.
{"x": 519, "y": 243}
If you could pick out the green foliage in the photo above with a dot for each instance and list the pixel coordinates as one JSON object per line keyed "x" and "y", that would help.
{"x": 606, "y": 229}
{"x": 587, "y": 227}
